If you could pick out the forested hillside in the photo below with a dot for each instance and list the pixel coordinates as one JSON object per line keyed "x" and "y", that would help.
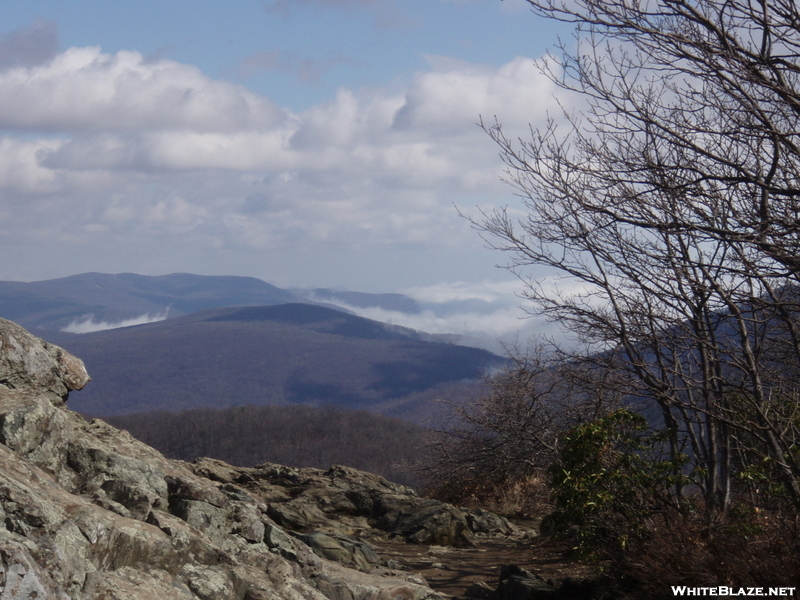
{"x": 297, "y": 436}
{"x": 285, "y": 354}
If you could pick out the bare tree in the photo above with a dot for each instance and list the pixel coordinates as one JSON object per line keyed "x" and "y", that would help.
{"x": 512, "y": 433}
{"x": 673, "y": 201}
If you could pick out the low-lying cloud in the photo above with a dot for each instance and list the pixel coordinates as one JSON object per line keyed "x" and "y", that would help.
{"x": 87, "y": 324}
{"x": 489, "y": 314}
{"x": 492, "y": 331}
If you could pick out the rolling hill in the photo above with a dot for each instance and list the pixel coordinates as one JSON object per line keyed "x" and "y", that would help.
{"x": 266, "y": 355}
{"x": 111, "y": 299}
{"x": 55, "y": 303}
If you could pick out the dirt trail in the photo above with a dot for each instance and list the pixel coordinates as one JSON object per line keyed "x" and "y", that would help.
{"x": 451, "y": 571}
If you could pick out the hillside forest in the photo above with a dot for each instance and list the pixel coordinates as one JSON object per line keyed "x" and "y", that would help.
{"x": 297, "y": 436}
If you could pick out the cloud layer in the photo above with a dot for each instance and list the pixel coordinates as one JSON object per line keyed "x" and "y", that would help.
{"x": 163, "y": 168}
{"x": 485, "y": 314}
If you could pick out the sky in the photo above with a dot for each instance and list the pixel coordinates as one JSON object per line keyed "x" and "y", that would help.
{"x": 309, "y": 143}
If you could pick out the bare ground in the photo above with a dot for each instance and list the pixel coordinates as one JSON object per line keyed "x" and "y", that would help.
{"x": 452, "y": 571}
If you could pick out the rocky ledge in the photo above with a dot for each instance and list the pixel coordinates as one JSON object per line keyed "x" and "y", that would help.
{"x": 88, "y": 512}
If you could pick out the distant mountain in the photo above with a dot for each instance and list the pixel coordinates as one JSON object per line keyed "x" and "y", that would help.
{"x": 57, "y": 303}
{"x": 111, "y": 300}
{"x": 263, "y": 355}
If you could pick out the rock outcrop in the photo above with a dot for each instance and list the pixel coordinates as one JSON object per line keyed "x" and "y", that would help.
{"x": 29, "y": 363}
{"x": 90, "y": 513}
{"x": 346, "y": 502}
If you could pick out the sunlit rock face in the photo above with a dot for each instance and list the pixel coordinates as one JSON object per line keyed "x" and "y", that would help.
{"x": 88, "y": 512}
{"x": 29, "y": 363}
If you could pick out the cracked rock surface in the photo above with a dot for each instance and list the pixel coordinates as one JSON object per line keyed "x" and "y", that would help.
{"x": 88, "y": 512}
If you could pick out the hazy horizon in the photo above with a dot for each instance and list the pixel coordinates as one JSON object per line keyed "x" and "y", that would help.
{"x": 484, "y": 315}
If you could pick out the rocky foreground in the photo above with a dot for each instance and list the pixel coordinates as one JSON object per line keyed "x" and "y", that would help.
{"x": 88, "y": 512}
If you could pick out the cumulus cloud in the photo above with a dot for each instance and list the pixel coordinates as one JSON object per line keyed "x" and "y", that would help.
{"x": 169, "y": 169}
{"x": 121, "y": 111}
{"x": 21, "y": 166}
{"x": 84, "y": 89}
{"x": 454, "y": 93}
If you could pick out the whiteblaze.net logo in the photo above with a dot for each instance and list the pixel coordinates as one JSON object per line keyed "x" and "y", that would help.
{"x": 726, "y": 591}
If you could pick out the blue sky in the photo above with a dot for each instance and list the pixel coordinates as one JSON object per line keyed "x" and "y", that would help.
{"x": 297, "y": 52}
{"x": 309, "y": 143}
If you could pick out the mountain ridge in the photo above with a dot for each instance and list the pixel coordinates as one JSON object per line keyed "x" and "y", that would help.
{"x": 281, "y": 354}
{"x": 55, "y": 303}
{"x": 157, "y": 342}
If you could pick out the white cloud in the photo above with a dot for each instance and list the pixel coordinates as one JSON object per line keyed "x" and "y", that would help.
{"x": 124, "y": 112}
{"x": 455, "y": 93}
{"x": 487, "y": 330}
{"x": 488, "y": 314}
{"x": 459, "y": 291}
{"x": 155, "y": 164}
{"x": 88, "y": 325}
{"x": 21, "y": 168}
{"x": 83, "y": 89}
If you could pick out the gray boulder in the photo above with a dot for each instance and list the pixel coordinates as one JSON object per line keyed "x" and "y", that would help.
{"x": 488, "y": 523}
{"x": 29, "y": 363}
{"x": 423, "y": 521}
